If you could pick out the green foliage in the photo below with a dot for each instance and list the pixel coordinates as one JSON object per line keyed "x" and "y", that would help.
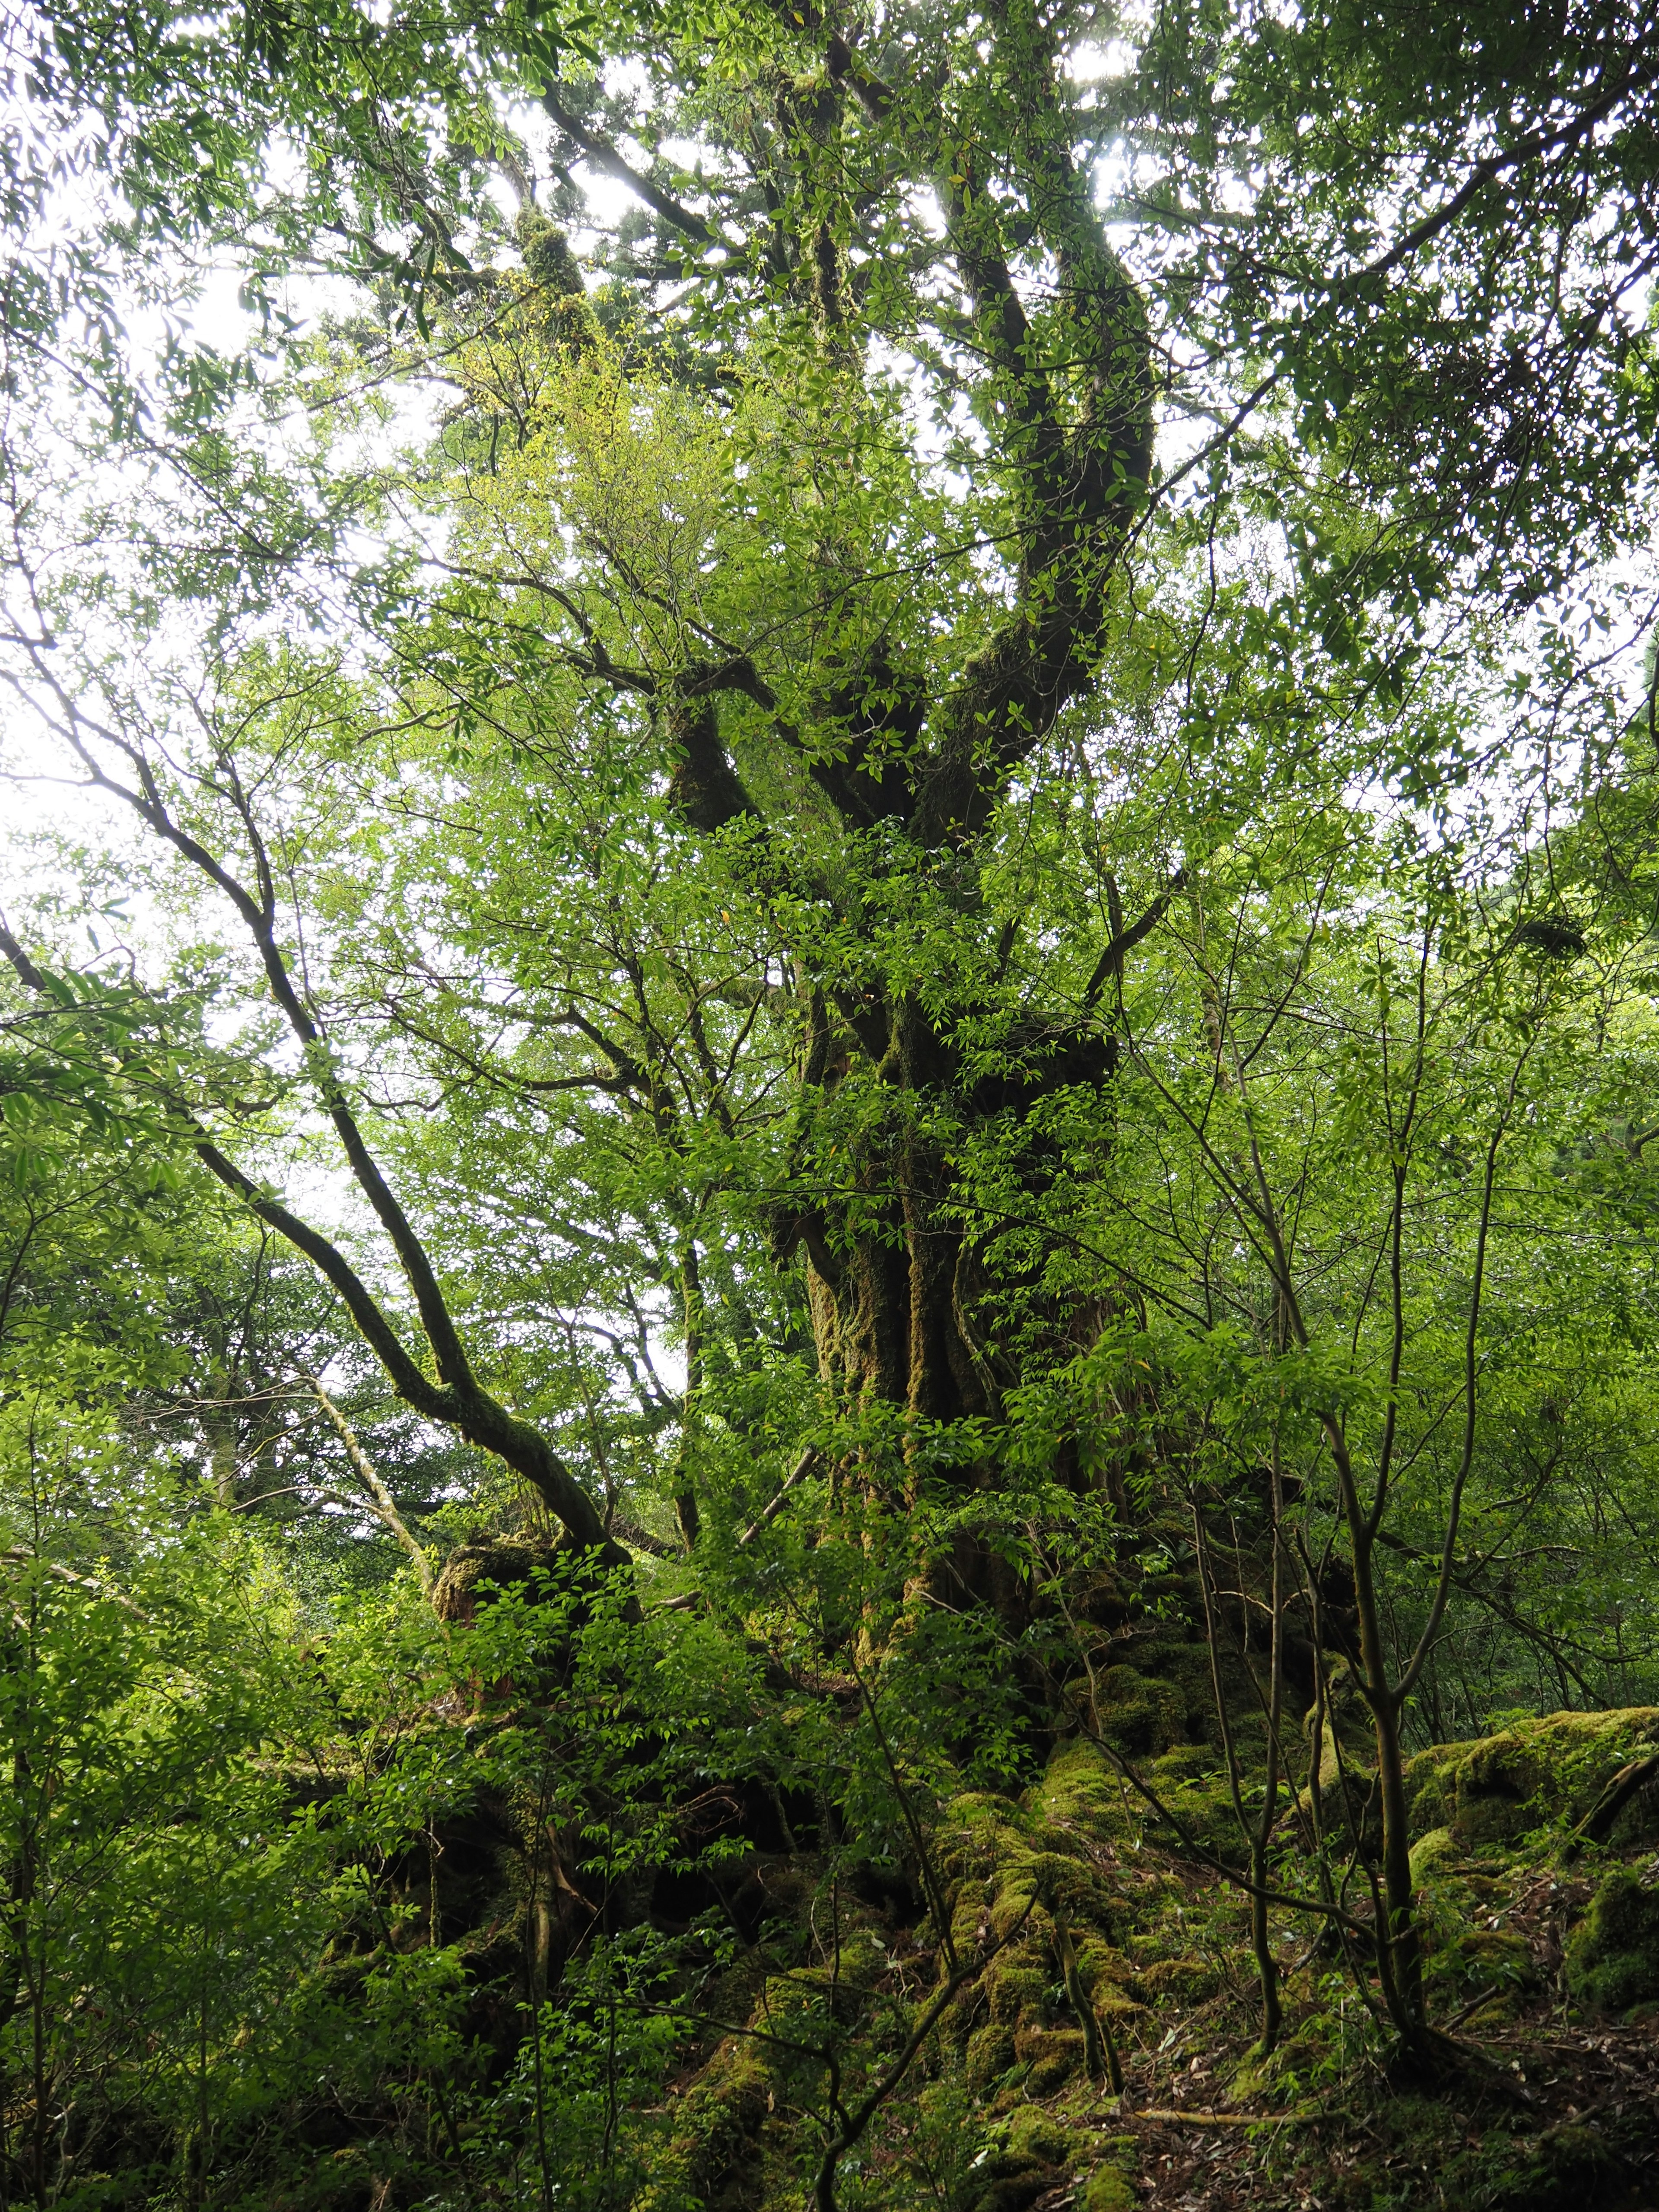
{"x": 865, "y": 1187}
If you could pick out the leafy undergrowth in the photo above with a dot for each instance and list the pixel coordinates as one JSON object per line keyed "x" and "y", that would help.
{"x": 1543, "y": 1963}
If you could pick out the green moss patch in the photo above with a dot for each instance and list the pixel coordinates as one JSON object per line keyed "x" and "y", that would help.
{"x": 1569, "y": 2169}
{"x": 1613, "y": 1959}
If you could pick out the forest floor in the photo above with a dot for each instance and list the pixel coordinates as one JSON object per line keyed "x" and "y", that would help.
{"x": 1542, "y": 1965}
{"x": 1556, "y": 2109}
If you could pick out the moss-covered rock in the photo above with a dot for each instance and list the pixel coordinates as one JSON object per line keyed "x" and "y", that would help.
{"x": 1005, "y": 2184}
{"x": 1496, "y": 1789}
{"x": 1137, "y": 1714}
{"x": 1490, "y": 1960}
{"x": 1111, "y": 2187}
{"x": 1080, "y": 1790}
{"x": 1069, "y": 1885}
{"x": 1016, "y": 1986}
{"x": 1029, "y": 2155}
{"x": 1613, "y": 1959}
{"x": 1051, "y": 2055}
{"x": 1184, "y": 1665}
{"x": 1191, "y": 1781}
{"x": 1189, "y": 1979}
{"x": 714, "y": 2146}
{"x": 1568, "y": 2169}
{"x": 990, "y": 2054}
{"x": 1433, "y": 1856}
{"x": 1108, "y": 2189}
{"x": 1034, "y": 2133}
{"x": 1110, "y": 1979}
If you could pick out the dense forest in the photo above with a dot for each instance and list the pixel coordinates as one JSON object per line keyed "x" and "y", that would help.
{"x": 829, "y": 1271}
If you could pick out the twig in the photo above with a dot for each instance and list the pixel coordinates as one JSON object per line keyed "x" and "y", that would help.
{"x": 798, "y": 1473}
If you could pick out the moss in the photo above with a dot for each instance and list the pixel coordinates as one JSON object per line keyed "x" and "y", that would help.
{"x": 1613, "y": 1959}
{"x": 720, "y": 2117}
{"x": 1054, "y": 2053}
{"x": 1109, "y": 1977}
{"x": 1197, "y": 1791}
{"x": 1111, "y": 2186}
{"x": 1429, "y": 1800}
{"x": 1190, "y": 1978}
{"x": 1008, "y": 2184}
{"x": 1137, "y": 1715}
{"x": 1016, "y": 1986}
{"x": 1053, "y": 2072}
{"x": 1487, "y": 1958}
{"x": 505, "y": 1563}
{"x": 1070, "y": 1884}
{"x": 1549, "y": 1769}
{"x": 1079, "y": 1787}
{"x": 1433, "y": 1855}
{"x": 724, "y": 2151}
{"x": 1500, "y": 1791}
{"x": 1186, "y": 1762}
{"x": 1568, "y": 2169}
{"x": 990, "y": 2054}
{"x": 1027, "y": 2160}
{"x": 1034, "y": 2133}
{"x": 1637, "y": 1827}
{"x": 1108, "y": 2189}
{"x": 1184, "y": 1666}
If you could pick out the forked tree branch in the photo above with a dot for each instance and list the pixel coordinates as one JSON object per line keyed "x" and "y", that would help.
{"x": 458, "y": 1400}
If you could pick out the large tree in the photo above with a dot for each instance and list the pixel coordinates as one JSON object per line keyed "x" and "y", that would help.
{"x": 872, "y": 320}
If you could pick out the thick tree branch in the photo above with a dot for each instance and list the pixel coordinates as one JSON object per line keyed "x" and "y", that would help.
{"x": 1076, "y": 473}
{"x": 458, "y": 1401}
{"x": 704, "y": 787}
{"x": 1111, "y": 960}
{"x": 604, "y": 155}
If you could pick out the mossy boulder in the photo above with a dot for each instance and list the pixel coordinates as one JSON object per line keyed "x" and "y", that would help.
{"x": 1193, "y": 1784}
{"x": 1053, "y": 2056}
{"x": 1028, "y": 2156}
{"x": 1013, "y": 1867}
{"x": 1139, "y": 1715}
{"x": 1613, "y": 1959}
{"x": 1110, "y": 1979}
{"x": 1069, "y": 1885}
{"x": 1003, "y": 2184}
{"x": 1567, "y": 2169}
{"x": 1111, "y": 2187}
{"x": 1031, "y": 2132}
{"x": 1184, "y": 1665}
{"x": 1108, "y": 2189}
{"x": 1434, "y": 1856}
{"x": 1016, "y": 1986}
{"x": 1007, "y": 2181}
{"x": 1484, "y": 1959}
{"x": 1080, "y": 1790}
{"x": 714, "y": 2144}
{"x": 990, "y": 2054}
{"x": 1191, "y": 1979}
{"x": 1497, "y": 1788}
